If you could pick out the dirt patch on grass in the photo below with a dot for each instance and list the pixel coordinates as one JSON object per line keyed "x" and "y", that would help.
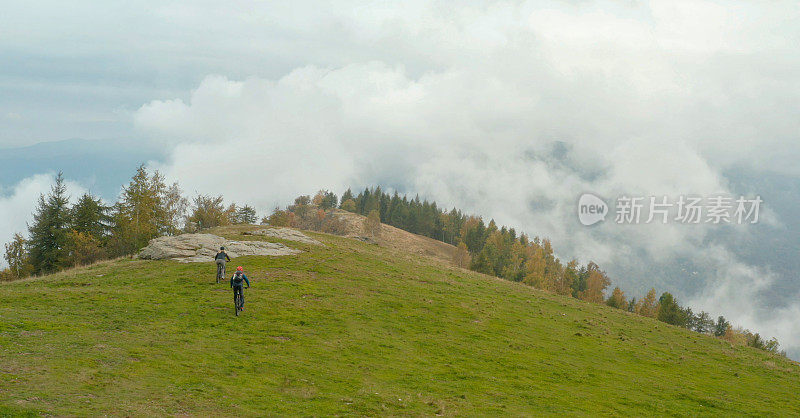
{"x": 397, "y": 239}
{"x": 280, "y": 338}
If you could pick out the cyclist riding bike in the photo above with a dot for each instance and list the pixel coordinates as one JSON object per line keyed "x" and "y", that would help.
{"x": 236, "y": 283}
{"x": 221, "y": 258}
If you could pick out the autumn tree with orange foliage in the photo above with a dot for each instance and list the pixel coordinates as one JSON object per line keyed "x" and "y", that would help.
{"x": 461, "y": 257}
{"x": 648, "y": 306}
{"x": 617, "y": 299}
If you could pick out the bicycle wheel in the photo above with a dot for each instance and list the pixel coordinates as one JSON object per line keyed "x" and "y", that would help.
{"x": 238, "y": 303}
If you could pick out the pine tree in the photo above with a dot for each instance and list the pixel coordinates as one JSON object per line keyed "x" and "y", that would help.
{"x": 347, "y": 195}
{"x": 579, "y": 284}
{"x": 141, "y": 213}
{"x": 147, "y": 208}
{"x": 703, "y": 323}
{"x": 90, "y": 216}
{"x": 246, "y": 215}
{"x": 632, "y": 305}
{"x": 721, "y": 327}
{"x": 500, "y": 252}
{"x": 329, "y": 201}
{"x": 50, "y": 229}
{"x": 669, "y": 311}
{"x": 472, "y": 234}
{"x": 481, "y": 263}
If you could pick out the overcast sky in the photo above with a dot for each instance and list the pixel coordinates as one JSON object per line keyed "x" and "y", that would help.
{"x": 510, "y": 110}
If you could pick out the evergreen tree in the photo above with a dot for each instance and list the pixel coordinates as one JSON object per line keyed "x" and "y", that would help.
{"x": 481, "y": 263}
{"x": 347, "y": 195}
{"x": 50, "y": 230}
{"x": 721, "y": 327}
{"x": 141, "y": 213}
{"x": 703, "y": 323}
{"x": 579, "y": 285}
{"x": 383, "y": 206}
{"x": 246, "y": 215}
{"x": 500, "y": 254}
{"x": 473, "y": 234}
{"x": 90, "y": 216}
{"x": 329, "y": 201}
{"x": 669, "y": 311}
{"x": 632, "y": 305}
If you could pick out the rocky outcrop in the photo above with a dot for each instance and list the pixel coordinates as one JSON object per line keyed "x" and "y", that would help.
{"x": 194, "y": 248}
{"x": 285, "y": 233}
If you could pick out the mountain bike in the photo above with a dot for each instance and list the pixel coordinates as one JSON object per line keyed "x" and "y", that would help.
{"x": 220, "y": 271}
{"x": 238, "y": 301}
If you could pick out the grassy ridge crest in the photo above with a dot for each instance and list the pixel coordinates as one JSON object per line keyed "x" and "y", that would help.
{"x": 353, "y": 328}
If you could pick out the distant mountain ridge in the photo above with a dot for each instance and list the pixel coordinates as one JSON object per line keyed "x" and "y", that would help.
{"x": 100, "y": 165}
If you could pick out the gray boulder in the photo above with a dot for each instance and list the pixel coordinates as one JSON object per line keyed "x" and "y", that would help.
{"x": 195, "y": 248}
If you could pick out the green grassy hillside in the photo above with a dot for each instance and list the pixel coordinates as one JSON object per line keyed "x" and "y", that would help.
{"x": 353, "y": 328}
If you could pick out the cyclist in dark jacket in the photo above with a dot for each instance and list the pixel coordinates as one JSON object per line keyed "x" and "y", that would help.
{"x": 221, "y": 258}
{"x": 236, "y": 283}
{"x": 222, "y": 255}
